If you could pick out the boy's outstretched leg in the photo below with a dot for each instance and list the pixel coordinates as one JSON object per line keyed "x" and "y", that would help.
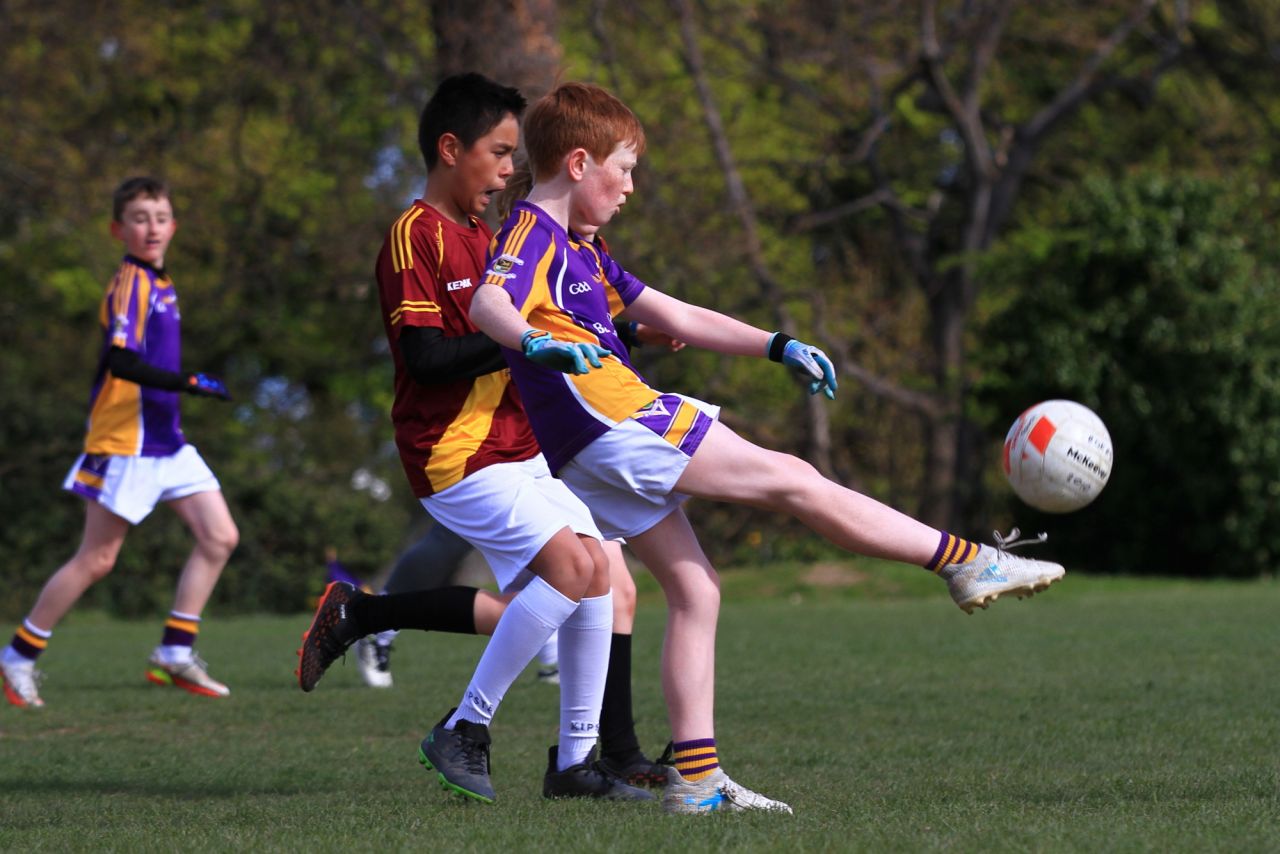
{"x": 727, "y": 467}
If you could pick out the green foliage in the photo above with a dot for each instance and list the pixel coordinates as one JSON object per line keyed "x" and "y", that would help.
{"x": 1153, "y": 301}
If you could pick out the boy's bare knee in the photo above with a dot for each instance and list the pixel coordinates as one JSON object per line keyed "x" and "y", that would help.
{"x": 220, "y": 541}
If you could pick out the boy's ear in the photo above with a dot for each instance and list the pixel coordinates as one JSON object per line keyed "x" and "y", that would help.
{"x": 449, "y": 148}
{"x": 576, "y": 163}
{"x": 115, "y": 230}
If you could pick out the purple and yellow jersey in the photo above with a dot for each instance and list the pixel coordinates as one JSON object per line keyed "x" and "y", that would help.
{"x": 573, "y": 289}
{"x": 139, "y": 312}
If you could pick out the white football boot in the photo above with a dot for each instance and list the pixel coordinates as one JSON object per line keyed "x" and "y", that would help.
{"x": 713, "y": 793}
{"x": 20, "y": 678}
{"x": 994, "y": 572}
{"x": 374, "y": 661}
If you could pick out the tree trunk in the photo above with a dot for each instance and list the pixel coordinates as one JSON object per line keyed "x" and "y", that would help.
{"x": 511, "y": 41}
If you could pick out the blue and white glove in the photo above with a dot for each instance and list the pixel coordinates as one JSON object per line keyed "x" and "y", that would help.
{"x": 571, "y": 357}
{"x": 806, "y": 361}
{"x": 205, "y": 385}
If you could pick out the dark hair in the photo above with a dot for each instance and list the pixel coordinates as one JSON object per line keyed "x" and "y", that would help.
{"x": 140, "y": 186}
{"x": 467, "y": 106}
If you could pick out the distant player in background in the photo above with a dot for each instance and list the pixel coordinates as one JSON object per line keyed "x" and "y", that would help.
{"x": 634, "y": 454}
{"x": 136, "y": 456}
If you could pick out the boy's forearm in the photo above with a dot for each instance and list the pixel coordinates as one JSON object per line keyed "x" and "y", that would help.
{"x": 493, "y": 314}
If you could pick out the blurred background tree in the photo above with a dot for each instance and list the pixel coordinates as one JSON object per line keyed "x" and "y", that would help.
{"x": 839, "y": 170}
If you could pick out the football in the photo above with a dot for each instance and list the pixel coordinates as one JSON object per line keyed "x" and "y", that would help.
{"x": 1057, "y": 456}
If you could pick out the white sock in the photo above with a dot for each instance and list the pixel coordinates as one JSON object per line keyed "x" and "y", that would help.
{"x": 529, "y": 620}
{"x": 584, "y": 646}
{"x": 549, "y": 655}
{"x": 385, "y": 638}
{"x": 173, "y": 654}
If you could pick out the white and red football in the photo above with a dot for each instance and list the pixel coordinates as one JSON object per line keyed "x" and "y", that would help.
{"x": 1057, "y": 456}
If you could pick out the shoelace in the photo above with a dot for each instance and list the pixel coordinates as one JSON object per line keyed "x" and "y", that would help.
{"x": 1009, "y": 543}
{"x": 475, "y": 755}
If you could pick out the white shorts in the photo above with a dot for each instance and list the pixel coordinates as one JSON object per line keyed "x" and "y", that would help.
{"x": 509, "y": 511}
{"x": 131, "y": 487}
{"x": 628, "y": 475}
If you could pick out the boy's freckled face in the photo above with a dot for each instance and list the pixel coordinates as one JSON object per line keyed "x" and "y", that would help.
{"x": 145, "y": 228}
{"x": 605, "y": 186}
{"x": 483, "y": 169}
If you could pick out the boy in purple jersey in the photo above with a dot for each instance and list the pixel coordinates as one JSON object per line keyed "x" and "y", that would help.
{"x": 634, "y": 454}
{"x": 135, "y": 456}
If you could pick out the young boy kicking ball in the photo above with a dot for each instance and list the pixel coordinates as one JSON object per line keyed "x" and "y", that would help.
{"x": 634, "y": 454}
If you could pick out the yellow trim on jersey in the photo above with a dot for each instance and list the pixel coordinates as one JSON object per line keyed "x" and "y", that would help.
{"x": 448, "y": 461}
{"x": 413, "y": 306}
{"x": 525, "y": 221}
{"x": 90, "y": 479}
{"x": 540, "y": 291}
{"x": 115, "y": 420}
{"x": 440, "y": 244}
{"x": 401, "y": 248}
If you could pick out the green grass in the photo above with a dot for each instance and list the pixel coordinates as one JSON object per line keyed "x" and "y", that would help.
{"x": 1104, "y": 716}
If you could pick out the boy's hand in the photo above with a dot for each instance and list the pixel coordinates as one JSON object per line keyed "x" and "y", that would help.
{"x": 205, "y": 385}
{"x": 807, "y": 361}
{"x": 571, "y": 357}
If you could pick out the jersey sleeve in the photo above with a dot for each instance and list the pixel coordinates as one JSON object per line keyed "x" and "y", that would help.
{"x": 411, "y": 274}
{"x": 127, "y": 305}
{"x": 519, "y": 261}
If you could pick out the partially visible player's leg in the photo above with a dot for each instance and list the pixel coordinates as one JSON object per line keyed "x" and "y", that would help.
{"x": 620, "y": 752}
{"x": 104, "y": 533}
{"x": 727, "y": 467}
{"x": 429, "y": 563}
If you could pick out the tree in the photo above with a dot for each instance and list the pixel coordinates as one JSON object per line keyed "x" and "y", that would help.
{"x": 1154, "y": 305}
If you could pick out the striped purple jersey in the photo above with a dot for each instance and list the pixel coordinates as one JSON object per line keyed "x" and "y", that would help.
{"x": 573, "y": 289}
{"x": 139, "y": 312}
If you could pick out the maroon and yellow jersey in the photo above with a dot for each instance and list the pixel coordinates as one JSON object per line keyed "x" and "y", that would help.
{"x": 427, "y": 273}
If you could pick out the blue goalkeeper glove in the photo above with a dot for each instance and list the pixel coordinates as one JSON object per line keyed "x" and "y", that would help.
{"x": 204, "y": 385}
{"x": 571, "y": 357}
{"x": 806, "y": 361}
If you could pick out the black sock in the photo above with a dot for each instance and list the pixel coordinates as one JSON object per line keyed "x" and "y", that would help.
{"x": 444, "y": 609}
{"x": 617, "y": 726}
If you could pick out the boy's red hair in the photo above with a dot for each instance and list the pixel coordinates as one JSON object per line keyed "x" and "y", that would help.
{"x": 578, "y": 115}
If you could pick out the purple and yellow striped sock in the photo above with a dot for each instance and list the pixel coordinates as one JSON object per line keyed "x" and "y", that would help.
{"x": 952, "y": 549}
{"x": 695, "y": 759}
{"x": 180, "y": 629}
{"x": 29, "y": 641}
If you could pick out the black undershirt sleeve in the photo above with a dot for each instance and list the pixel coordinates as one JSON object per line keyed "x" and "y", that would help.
{"x": 129, "y": 365}
{"x": 432, "y": 358}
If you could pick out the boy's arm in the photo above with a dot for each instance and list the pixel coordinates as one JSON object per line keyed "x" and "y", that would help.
{"x": 495, "y": 315}
{"x": 432, "y": 358}
{"x": 712, "y": 330}
{"x": 129, "y": 365}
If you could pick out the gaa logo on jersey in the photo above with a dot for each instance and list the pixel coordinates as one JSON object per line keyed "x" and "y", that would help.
{"x": 580, "y": 288}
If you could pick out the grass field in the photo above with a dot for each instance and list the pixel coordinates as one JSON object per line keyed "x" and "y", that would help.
{"x": 1103, "y": 716}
